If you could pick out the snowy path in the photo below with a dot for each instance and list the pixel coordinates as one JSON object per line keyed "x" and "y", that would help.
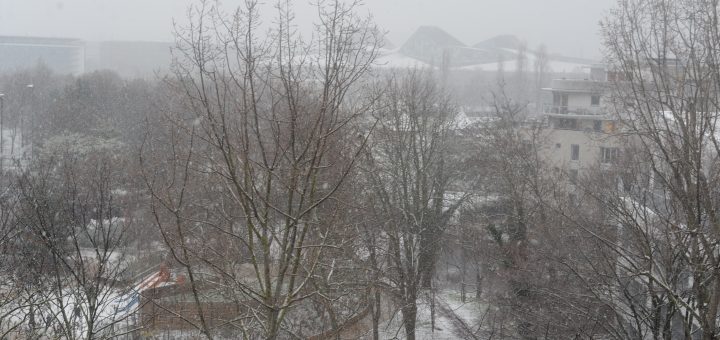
{"x": 454, "y": 320}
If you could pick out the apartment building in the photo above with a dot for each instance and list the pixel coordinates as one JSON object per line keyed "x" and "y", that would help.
{"x": 580, "y": 133}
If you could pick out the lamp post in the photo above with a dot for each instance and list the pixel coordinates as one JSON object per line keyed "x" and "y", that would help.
{"x": 2, "y": 127}
{"x": 31, "y": 134}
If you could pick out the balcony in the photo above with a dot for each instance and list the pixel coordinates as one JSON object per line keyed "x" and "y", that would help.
{"x": 573, "y": 110}
{"x": 577, "y": 85}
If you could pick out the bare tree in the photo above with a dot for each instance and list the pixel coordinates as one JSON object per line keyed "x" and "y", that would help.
{"x": 410, "y": 173}
{"x": 514, "y": 176}
{"x": 653, "y": 260}
{"x": 69, "y": 242}
{"x": 11, "y": 290}
{"x": 266, "y": 138}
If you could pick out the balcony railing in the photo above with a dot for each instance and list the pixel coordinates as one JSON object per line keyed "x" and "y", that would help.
{"x": 578, "y": 85}
{"x": 572, "y": 110}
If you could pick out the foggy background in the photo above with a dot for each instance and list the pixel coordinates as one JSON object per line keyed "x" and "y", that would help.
{"x": 568, "y": 27}
{"x": 489, "y": 169}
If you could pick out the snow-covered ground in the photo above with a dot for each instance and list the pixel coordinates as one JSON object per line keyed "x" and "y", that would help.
{"x": 116, "y": 308}
{"x": 511, "y": 65}
{"x": 396, "y": 59}
{"x": 555, "y": 66}
{"x": 453, "y": 319}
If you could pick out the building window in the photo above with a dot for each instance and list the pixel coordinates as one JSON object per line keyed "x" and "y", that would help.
{"x": 575, "y": 152}
{"x": 573, "y": 173}
{"x": 595, "y": 100}
{"x": 558, "y": 145}
{"x": 566, "y": 123}
{"x": 597, "y": 125}
{"x": 609, "y": 155}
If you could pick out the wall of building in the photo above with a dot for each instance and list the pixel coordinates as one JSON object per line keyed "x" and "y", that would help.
{"x": 134, "y": 59}
{"x": 579, "y": 99}
{"x": 63, "y": 56}
{"x": 557, "y": 151}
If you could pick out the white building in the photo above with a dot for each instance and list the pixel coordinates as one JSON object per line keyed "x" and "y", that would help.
{"x": 581, "y": 132}
{"x": 64, "y": 56}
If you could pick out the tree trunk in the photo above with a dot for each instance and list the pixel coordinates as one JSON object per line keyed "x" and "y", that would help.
{"x": 376, "y": 310}
{"x": 409, "y": 314}
{"x": 432, "y": 310}
{"x": 272, "y": 330}
{"x": 463, "y": 271}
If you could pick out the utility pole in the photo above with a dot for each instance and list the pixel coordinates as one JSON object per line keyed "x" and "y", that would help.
{"x": 30, "y": 130}
{"x": 2, "y": 127}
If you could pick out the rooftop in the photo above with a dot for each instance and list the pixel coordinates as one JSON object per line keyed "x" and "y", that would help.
{"x": 577, "y": 85}
{"x": 20, "y": 40}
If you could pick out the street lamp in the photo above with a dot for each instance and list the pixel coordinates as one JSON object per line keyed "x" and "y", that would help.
{"x": 24, "y": 137}
{"x": 31, "y": 131}
{"x": 2, "y": 127}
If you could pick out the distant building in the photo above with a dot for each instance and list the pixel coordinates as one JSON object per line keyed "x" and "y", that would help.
{"x": 62, "y": 55}
{"x": 134, "y": 59}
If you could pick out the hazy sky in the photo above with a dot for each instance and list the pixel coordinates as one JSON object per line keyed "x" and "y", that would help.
{"x": 566, "y": 26}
